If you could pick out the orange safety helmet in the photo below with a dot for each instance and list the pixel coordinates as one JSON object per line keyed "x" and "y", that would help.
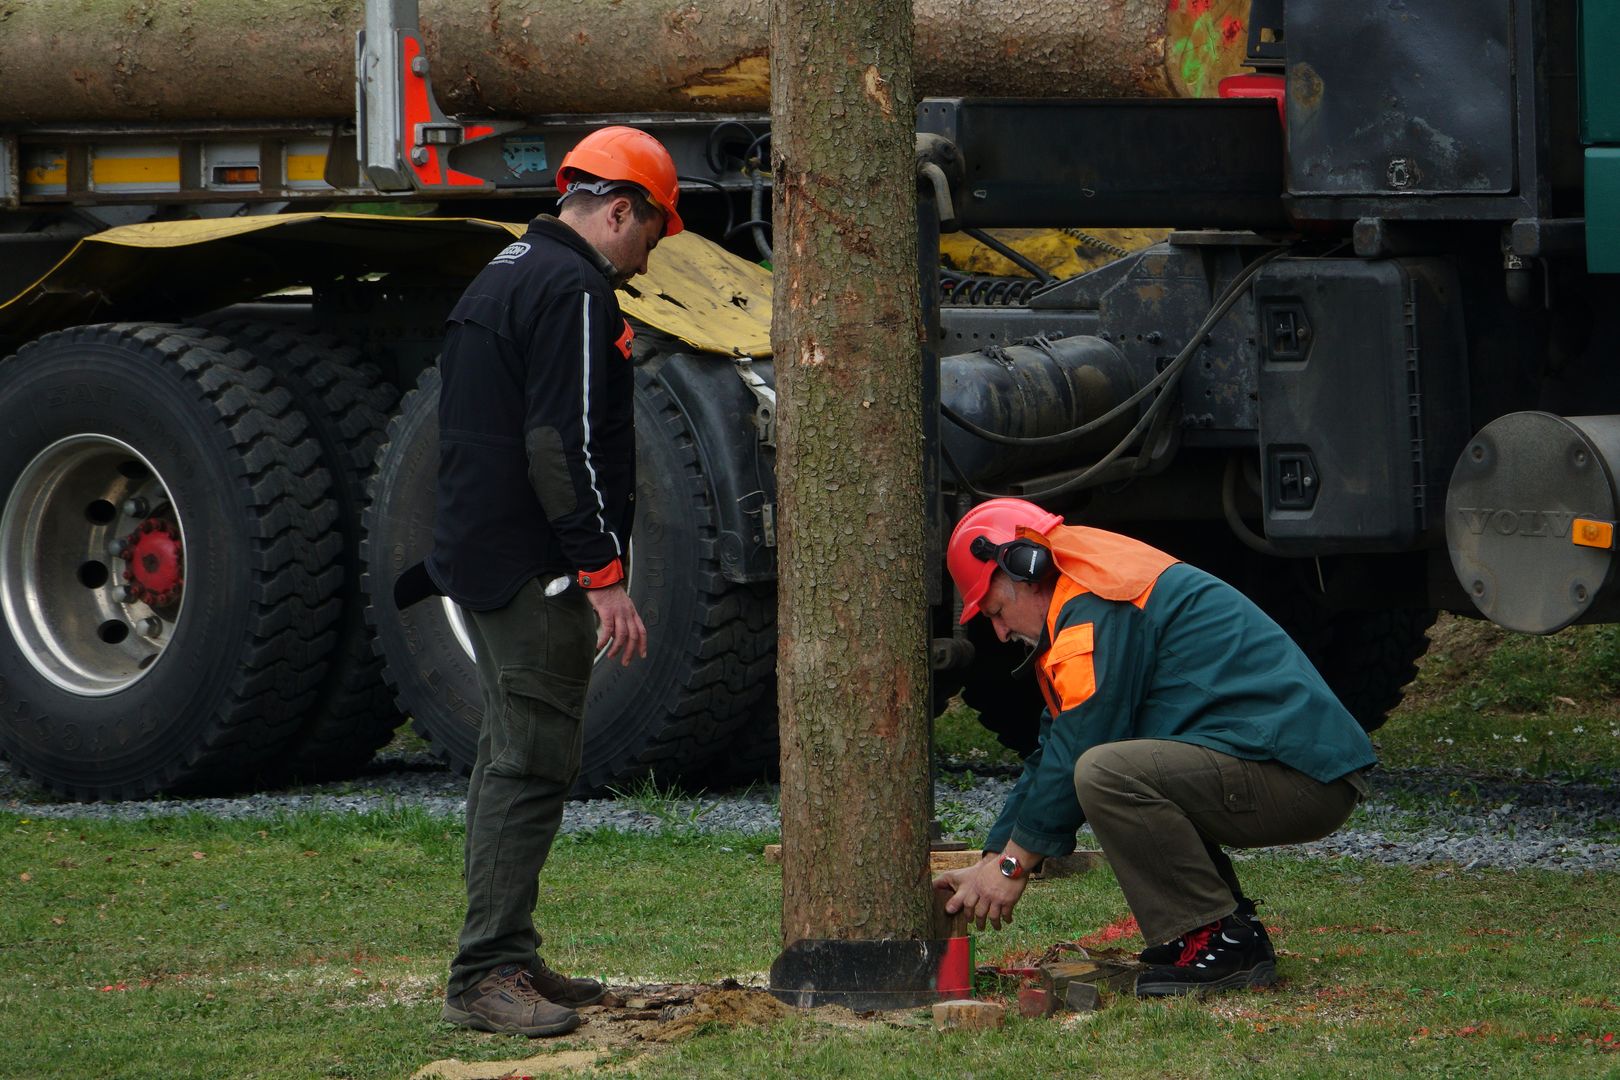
{"x": 627, "y": 154}
{"x": 998, "y": 521}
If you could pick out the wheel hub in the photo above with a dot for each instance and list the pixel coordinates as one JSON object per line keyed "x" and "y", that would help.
{"x": 156, "y": 562}
{"x": 92, "y": 564}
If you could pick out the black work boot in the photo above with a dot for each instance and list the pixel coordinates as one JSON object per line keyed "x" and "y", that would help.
{"x": 1170, "y": 951}
{"x": 559, "y": 988}
{"x": 506, "y": 1003}
{"x": 1225, "y": 955}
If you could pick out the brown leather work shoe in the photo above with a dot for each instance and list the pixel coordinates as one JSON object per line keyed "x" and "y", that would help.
{"x": 506, "y": 1003}
{"x": 560, "y": 988}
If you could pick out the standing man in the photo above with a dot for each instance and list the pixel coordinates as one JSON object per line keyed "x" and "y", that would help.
{"x": 535, "y": 498}
{"x": 1179, "y": 718}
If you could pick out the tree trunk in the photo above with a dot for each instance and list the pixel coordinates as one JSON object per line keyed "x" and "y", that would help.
{"x": 852, "y": 661}
{"x": 113, "y": 60}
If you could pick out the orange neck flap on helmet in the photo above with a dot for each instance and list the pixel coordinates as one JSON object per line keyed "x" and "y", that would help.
{"x": 1114, "y": 567}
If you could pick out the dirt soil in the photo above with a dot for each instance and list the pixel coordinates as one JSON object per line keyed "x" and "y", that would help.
{"x": 633, "y": 1019}
{"x": 1458, "y": 648}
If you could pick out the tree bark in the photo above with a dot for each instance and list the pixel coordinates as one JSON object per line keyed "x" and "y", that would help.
{"x": 151, "y": 60}
{"x": 852, "y": 627}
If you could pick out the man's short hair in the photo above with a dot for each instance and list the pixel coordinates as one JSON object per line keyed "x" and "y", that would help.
{"x": 589, "y": 201}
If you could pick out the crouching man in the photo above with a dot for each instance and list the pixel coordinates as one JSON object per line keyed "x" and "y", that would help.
{"x": 1179, "y": 719}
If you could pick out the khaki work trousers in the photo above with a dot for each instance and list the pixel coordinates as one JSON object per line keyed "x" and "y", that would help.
{"x": 1162, "y": 809}
{"x": 534, "y": 664}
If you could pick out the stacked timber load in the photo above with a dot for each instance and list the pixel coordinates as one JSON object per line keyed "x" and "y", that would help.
{"x": 184, "y": 60}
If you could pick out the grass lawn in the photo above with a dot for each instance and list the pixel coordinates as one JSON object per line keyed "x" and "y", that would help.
{"x": 315, "y": 946}
{"x": 1489, "y": 700}
{"x": 1484, "y": 700}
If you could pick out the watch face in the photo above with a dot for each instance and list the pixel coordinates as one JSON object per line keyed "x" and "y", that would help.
{"x": 1009, "y": 866}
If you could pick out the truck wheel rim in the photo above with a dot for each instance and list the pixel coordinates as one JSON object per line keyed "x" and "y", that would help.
{"x": 92, "y": 564}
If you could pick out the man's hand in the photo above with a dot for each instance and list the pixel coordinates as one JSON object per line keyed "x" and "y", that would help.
{"x": 618, "y": 622}
{"x": 982, "y": 892}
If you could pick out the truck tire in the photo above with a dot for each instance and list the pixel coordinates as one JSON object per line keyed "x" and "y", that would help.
{"x": 1366, "y": 657}
{"x": 753, "y": 754}
{"x": 664, "y": 716}
{"x": 168, "y": 574}
{"x": 348, "y": 404}
{"x": 1002, "y": 690}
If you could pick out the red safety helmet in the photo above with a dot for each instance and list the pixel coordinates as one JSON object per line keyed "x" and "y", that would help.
{"x": 997, "y": 521}
{"x": 627, "y": 154}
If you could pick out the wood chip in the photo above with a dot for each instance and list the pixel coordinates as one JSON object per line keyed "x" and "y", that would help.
{"x": 966, "y": 1014}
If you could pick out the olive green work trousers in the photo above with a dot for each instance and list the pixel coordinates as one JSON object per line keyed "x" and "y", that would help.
{"x": 534, "y": 661}
{"x": 1162, "y": 810}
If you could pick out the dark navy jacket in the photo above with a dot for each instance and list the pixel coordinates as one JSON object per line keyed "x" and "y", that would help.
{"x": 536, "y": 423}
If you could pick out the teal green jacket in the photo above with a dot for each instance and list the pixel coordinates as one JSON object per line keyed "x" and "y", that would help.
{"x": 1193, "y": 661}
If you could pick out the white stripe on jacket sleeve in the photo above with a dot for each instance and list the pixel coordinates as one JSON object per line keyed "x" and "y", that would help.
{"x": 585, "y": 419}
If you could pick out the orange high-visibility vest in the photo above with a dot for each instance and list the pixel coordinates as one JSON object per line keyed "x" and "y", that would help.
{"x": 1114, "y": 567}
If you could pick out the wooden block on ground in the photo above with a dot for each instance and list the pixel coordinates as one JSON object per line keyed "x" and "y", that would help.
{"x": 938, "y": 861}
{"x": 941, "y": 861}
{"x": 966, "y": 1014}
{"x": 1062, "y": 866}
{"x": 947, "y": 926}
{"x": 1057, "y": 977}
{"x": 1115, "y": 975}
{"x": 1082, "y": 997}
{"x": 1034, "y": 1002}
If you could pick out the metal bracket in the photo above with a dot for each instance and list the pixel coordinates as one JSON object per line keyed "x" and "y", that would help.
{"x": 764, "y": 398}
{"x": 1540, "y": 237}
{"x": 404, "y": 138}
{"x": 10, "y": 176}
{"x": 940, "y": 167}
{"x": 767, "y": 523}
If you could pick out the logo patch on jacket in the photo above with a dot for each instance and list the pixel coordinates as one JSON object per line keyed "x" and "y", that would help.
{"x": 625, "y": 339}
{"x": 511, "y": 253}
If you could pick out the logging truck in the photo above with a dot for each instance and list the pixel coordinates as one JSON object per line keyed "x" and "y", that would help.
{"x": 1363, "y": 372}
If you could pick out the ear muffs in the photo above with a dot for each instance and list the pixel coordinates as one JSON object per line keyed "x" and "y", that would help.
{"x": 1022, "y": 560}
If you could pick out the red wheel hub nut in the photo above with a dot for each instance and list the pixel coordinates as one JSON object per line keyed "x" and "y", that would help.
{"x": 156, "y": 562}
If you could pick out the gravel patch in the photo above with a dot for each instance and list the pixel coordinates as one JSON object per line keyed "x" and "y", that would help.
{"x": 1414, "y": 817}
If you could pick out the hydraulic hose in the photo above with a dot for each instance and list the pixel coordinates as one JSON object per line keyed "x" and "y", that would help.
{"x": 1164, "y": 381}
{"x": 1011, "y": 254}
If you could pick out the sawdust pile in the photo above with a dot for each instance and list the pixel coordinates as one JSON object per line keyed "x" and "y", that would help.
{"x": 565, "y": 1061}
{"x": 728, "y": 1008}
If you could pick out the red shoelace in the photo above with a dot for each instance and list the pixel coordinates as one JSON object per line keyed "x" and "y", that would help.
{"x": 1197, "y": 942}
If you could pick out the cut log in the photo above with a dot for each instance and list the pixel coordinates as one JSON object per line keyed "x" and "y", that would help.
{"x": 1062, "y": 866}
{"x": 938, "y": 861}
{"x": 1118, "y": 975}
{"x": 175, "y": 60}
{"x": 1057, "y": 866}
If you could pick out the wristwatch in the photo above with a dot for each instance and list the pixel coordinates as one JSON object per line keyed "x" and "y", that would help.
{"x": 1011, "y": 867}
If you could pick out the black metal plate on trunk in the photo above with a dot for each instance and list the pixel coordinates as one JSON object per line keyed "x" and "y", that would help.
{"x": 1400, "y": 97}
{"x": 872, "y": 975}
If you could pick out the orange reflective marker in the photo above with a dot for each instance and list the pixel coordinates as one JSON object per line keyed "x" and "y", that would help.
{"x": 1593, "y": 534}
